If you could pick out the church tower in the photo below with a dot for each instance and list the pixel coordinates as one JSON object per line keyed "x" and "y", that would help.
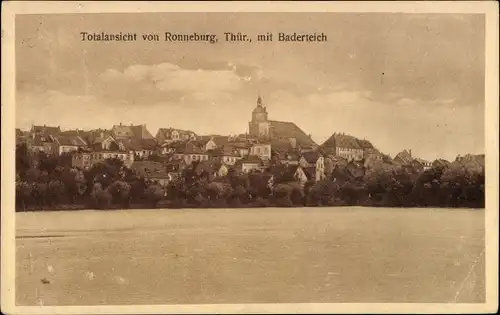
{"x": 259, "y": 126}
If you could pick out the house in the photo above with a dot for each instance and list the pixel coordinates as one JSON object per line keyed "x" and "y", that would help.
{"x": 403, "y": 158}
{"x": 45, "y": 131}
{"x": 226, "y": 154}
{"x": 190, "y": 151}
{"x": 122, "y": 132}
{"x": 75, "y": 132}
{"x": 372, "y": 153}
{"x": 287, "y": 157}
{"x": 373, "y": 158}
{"x": 67, "y": 144}
{"x": 172, "y": 147}
{"x": 422, "y": 164}
{"x": 308, "y": 159}
{"x": 106, "y": 143}
{"x": 151, "y": 171}
{"x": 313, "y": 159}
{"x": 283, "y": 174}
{"x": 212, "y": 168}
{"x": 88, "y": 159}
{"x": 209, "y": 143}
{"x": 142, "y": 148}
{"x": 41, "y": 143}
{"x": 168, "y": 135}
{"x": 21, "y": 137}
{"x": 478, "y": 158}
{"x": 220, "y": 141}
{"x": 249, "y": 164}
{"x": 473, "y": 162}
{"x": 332, "y": 162}
{"x": 81, "y": 160}
{"x": 262, "y": 150}
{"x": 440, "y": 163}
{"x": 243, "y": 148}
{"x": 356, "y": 169}
{"x": 91, "y": 135}
{"x": 343, "y": 145}
{"x": 301, "y": 176}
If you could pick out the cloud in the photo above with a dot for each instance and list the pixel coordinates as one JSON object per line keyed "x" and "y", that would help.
{"x": 166, "y": 78}
{"x": 406, "y": 101}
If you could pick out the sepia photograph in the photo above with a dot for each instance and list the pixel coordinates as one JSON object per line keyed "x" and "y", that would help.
{"x": 254, "y": 156}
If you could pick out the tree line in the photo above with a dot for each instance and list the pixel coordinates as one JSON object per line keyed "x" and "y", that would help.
{"x": 47, "y": 182}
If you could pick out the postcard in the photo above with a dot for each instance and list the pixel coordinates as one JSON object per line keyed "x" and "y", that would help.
{"x": 249, "y": 157}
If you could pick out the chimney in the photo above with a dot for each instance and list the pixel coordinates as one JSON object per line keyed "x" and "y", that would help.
{"x": 409, "y": 151}
{"x": 120, "y": 123}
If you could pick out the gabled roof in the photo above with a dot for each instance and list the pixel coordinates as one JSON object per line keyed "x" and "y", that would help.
{"x": 70, "y": 141}
{"x": 141, "y": 132}
{"x": 221, "y": 140}
{"x": 339, "y": 140}
{"x": 281, "y": 145}
{"x": 102, "y": 139}
{"x": 39, "y": 140}
{"x": 365, "y": 144}
{"x": 191, "y": 147}
{"x": 122, "y": 131}
{"x": 286, "y": 130}
{"x": 166, "y": 132}
{"x": 132, "y": 131}
{"x": 404, "y": 157}
{"x": 311, "y": 156}
{"x": 226, "y": 150}
{"x": 46, "y": 130}
{"x": 441, "y": 162}
{"x": 134, "y": 144}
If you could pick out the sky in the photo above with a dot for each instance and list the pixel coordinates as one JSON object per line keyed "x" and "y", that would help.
{"x": 402, "y": 81}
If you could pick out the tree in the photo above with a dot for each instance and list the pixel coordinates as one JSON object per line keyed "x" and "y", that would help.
{"x": 55, "y": 192}
{"x": 23, "y": 160}
{"x": 23, "y": 195}
{"x": 100, "y": 197}
{"x": 120, "y": 192}
{"x": 75, "y": 183}
{"x": 282, "y": 195}
{"x": 154, "y": 193}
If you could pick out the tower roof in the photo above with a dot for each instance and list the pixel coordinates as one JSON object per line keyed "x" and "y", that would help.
{"x": 259, "y": 108}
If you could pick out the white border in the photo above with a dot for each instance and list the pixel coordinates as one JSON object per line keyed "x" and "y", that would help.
{"x": 490, "y": 8}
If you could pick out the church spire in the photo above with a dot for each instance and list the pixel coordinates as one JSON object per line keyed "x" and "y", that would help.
{"x": 259, "y": 101}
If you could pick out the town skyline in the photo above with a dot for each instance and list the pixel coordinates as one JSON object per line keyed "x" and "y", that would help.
{"x": 399, "y": 80}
